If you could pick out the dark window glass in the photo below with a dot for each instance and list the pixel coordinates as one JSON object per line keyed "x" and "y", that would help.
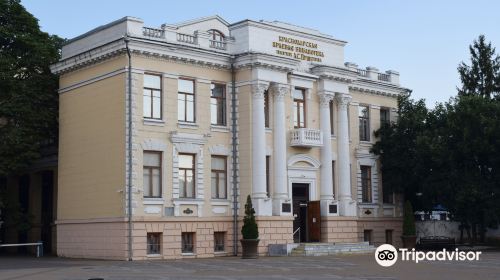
{"x": 266, "y": 108}
{"x": 187, "y": 242}
{"x": 388, "y": 236}
{"x": 218, "y": 104}
{"x": 367, "y": 236}
{"x": 153, "y": 243}
{"x": 364, "y": 123}
{"x": 332, "y": 117}
{"x": 268, "y": 175}
{"x": 384, "y": 116}
{"x": 219, "y": 241}
{"x": 366, "y": 184}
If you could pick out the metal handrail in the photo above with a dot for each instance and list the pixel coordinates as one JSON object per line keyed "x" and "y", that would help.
{"x": 39, "y": 247}
{"x": 293, "y": 234}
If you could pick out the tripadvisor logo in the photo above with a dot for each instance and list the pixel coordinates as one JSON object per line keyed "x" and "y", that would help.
{"x": 386, "y": 255}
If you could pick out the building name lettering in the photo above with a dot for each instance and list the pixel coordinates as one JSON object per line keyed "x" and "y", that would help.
{"x": 298, "y": 49}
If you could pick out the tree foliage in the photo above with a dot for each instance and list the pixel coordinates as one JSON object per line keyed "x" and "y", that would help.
{"x": 250, "y": 229}
{"x": 28, "y": 90}
{"x": 450, "y": 155}
{"x": 482, "y": 77}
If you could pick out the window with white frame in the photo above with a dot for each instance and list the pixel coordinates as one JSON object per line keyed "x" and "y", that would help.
{"x": 153, "y": 243}
{"x": 152, "y": 97}
{"x": 186, "y": 101}
{"x": 187, "y": 181}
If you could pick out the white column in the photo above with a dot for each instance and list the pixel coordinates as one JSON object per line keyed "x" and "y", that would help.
{"x": 347, "y": 206}
{"x": 326, "y": 190}
{"x": 279, "y": 148}
{"x": 259, "y": 195}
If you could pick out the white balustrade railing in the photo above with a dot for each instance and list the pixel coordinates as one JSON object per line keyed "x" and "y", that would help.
{"x": 221, "y": 45}
{"x": 153, "y": 32}
{"x": 306, "y": 137}
{"x": 186, "y": 38}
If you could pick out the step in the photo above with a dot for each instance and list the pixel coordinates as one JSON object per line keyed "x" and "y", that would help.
{"x": 325, "y": 249}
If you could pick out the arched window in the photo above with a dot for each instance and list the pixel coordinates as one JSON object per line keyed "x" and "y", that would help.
{"x": 216, "y": 35}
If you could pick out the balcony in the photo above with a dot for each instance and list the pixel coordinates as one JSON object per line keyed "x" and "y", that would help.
{"x": 306, "y": 138}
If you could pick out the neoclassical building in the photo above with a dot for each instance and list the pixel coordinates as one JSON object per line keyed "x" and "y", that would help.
{"x": 165, "y": 131}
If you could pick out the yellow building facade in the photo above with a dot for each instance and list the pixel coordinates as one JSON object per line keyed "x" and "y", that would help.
{"x": 165, "y": 131}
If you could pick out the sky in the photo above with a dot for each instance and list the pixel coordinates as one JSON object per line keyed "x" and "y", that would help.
{"x": 423, "y": 40}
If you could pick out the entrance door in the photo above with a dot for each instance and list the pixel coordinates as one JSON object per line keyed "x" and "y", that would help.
{"x": 314, "y": 221}
{"x": 300, "y": 197}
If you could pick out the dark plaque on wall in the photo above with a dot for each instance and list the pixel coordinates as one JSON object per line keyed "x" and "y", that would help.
{"x": 368, "y": 212}
{"x": 332, "y": 209}
{"x": 286, "y": 207}
{"x": 188, "y": 211}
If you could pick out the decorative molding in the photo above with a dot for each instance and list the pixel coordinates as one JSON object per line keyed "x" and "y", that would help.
{"x": 219, "y": 149}
{"x": 279, "y": 91}
{"x": 258, "y": 89}
{"x": 343, "y": 100}
{"x": 305, "y": 158}
{"x": 151, "y": 144}
{"x": 199, "y": 139}
{"x": 325, "y": 99}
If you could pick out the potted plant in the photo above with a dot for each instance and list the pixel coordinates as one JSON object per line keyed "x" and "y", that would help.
{"x": 249, "y": 232}
{"x": 409, "y": 236}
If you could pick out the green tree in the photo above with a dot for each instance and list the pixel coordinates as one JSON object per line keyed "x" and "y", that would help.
{"x": 482, "y": 77}
{"x": 28, "y": 90}
{"x": 250, "y": 229}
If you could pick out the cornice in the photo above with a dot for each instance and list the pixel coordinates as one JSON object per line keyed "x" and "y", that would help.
{"x": 263, "y": 60}
{"x": 372, "y": 87}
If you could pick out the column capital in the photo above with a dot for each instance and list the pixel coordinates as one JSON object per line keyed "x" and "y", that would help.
{"x": 279, "y": 91}
{"x": 258, "y": 89}
{"x": 325, "y": 99}
{"x": 343, "y": 99}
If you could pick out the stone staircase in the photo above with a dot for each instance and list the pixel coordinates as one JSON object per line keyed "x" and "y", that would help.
{"x": 325, "y": 249}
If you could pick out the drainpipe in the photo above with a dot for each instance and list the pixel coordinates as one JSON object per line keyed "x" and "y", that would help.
{"x": 129, "y": 149}
{"x": 234, "y": 141}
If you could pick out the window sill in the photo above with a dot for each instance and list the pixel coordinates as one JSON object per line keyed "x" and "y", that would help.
{"x": 220, "y": 253}
{"x": 188, "y": 254}
{"x": 368, "y": 205}
{"x": 269, "y": 130}
{"x": 365, "y": 143}
{"x": 153, "y": 122}
{"x": 333, "y": 137}
{"x": 187, "y": 125}
{"x": 153, "y": 201}
{"x": 153, "y": 256}
{"x": 219, "y": 128}
{"x": 220, "y": 202}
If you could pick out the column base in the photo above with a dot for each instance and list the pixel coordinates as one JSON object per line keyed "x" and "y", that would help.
{"x": 262, "y": 206}
{"x": 329, "y": 207}
{"x": 347, "y": 208}
{"x": 282, "y": 207}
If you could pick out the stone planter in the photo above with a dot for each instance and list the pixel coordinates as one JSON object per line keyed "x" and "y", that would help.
{"x": 409, "y": 241}
{"x": 250, "y": 248}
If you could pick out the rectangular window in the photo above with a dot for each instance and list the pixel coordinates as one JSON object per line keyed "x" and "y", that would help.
{"x": 219, "y": 241}
{"x": 333, "y": 177}
{"x": 384, "y": 116}
{"x": 299, "y": 110}
{"x": 366, "y": 183}
{"x": 332, "y": 118}
{"x": 152, "y": 97}
{"x": 187, "y": 180}
{"x": 219, "y": 175}
{"x": 218, "y": 104}
{"x": 186, "y": 101}
{"x": 153, "y": 243}
{"x": 367, "y": 235}
{"x": 187, "y": 242}
{"x": 388, "y": 236}
{"x": 151, "y": 174}
{"x": 266, "y": 108}
{"x": 268, "y": 175}
{"x": 364, "y": 123}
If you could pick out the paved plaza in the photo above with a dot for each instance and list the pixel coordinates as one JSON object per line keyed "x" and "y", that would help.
{"x": 331, "y": 267}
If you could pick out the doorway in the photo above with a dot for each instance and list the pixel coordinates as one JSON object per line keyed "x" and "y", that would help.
{"x": 307, "y": 219}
